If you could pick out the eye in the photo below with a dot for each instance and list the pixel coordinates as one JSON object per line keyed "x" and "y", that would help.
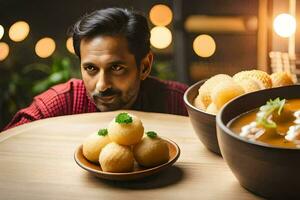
{"x": 117, "y": 68}
{"x": 90, "y": 68}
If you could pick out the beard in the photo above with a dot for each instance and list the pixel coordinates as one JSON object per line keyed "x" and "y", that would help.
{"x": 115, "y": 99}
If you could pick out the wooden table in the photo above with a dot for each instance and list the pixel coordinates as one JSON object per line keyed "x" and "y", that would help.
{"x": 36, "y": 162}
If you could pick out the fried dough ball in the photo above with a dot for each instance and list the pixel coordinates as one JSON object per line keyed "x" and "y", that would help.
{"x": 198, "y": 103}
{"x": 224, "y": 92}
{"x": 116, "y": 158}
{"x": 250, "y": 85}
{"x": 262, "y": 77}
{"x": 125, "y": 129}
{"x": 206, "y": 89}
{"x": 281, "y": 79}
{"x": 151, "y": 151}
{"x": 93, "y": 145}
{"x": 212, "y": 109}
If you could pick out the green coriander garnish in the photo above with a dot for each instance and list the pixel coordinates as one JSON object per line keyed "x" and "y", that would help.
{"x": 123, "y": 118}
{"x": 102, "y": 132}
{"x": 263, "y": 117}
{"x": 151, "y": 134}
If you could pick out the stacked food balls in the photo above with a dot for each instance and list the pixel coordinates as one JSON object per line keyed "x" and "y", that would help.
{"x": 151, "y": 150}
{"x": 221, "y": 88}
{"x": 118, "y": 147}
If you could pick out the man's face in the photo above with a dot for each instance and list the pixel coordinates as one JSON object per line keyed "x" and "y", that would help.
{"x": 109, "y": 72}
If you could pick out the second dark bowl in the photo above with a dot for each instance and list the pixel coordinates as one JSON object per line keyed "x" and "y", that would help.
{"x": 266, "y": 170}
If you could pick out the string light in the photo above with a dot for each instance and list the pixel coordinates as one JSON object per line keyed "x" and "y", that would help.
{"x": 69, "y": 45}
{"x": 4, "y": 51}
{"x": 18, "y": 31}
{"x": 1, "y": 31}
{"x": 284, "y": 25}
{"x": 204, "y": 45}
{"x": 45, "y": 47}
{"x": 161, "y": 37}
{"x": 160, "y": 15}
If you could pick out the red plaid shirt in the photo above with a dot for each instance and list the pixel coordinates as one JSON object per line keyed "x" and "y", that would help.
{"x": 71, "y": 98}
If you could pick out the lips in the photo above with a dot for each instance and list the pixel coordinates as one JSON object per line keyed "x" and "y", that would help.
{"x": 106, "y": 99}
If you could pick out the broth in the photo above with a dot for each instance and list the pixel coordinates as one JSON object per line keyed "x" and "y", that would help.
{"x": 272, "y": 136}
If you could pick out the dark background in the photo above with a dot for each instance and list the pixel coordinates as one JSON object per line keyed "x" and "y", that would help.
{"x": 22, "y": 73}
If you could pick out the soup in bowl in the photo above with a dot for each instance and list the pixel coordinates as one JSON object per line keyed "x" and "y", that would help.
{"x": 258, "y": 138}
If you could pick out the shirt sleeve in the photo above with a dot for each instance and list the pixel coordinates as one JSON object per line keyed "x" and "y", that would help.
{"x": 45, "y": 105}
{"x": 29, "y": 114}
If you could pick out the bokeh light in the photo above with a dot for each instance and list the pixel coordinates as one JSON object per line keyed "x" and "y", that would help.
{"x": 204, "y": 46}
{"x": 251, "y": 23}
{"x": 18, "y": 31}
{"x": 160, "y": 15}
{"x": 69, "y": 45}
{"x": 4, "y": 50}
{"x": 161, "y": 37}
{"x": 1, "y": 31}
{"x": 45, "y": 47}
{"x": 284, "y": 25}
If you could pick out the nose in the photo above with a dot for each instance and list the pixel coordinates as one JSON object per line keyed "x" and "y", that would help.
{"x": 103, "y": 82}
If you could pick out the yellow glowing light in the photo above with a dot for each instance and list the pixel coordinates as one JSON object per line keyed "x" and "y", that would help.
{"x": 284, "y": 25}
{"x": 1, "y": 32}
{"x": 69, "y": 45}
{"x": 204, "y": 46}
{"x": 161, "y": 15}
{"x": 45, "y": 47}
{"x": 18, "y": 31}
{"x": 161, "y": 37}
{"x": 4, "y": 50}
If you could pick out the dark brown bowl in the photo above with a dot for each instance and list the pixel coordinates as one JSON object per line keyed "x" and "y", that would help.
{"x": 204, "y": 124}
{"x": 265, "y": 170}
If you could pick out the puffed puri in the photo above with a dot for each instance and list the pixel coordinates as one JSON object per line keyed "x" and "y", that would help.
{"x": 224, "y": 92}
{"x": 126, "y": 133}
{"x": 116, "y": 158}
{"x": 206, "y": 89}
{"x": 151, "y": 152}
{"x": 93, "y": 145}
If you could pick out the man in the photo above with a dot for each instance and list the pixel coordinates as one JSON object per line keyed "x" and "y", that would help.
{"x": 114, "y": 51}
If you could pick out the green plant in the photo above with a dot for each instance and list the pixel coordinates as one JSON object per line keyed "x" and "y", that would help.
{"x": 20, "y": 86}
{"x": 60, "y": 71}
{"x": 163, "y": 70}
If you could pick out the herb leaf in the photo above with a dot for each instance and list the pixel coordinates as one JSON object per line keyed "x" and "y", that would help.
{"x": 123, "y": 118}
{"x": 151, "y": 134}
{"x": 267, "y": 123}
{"x": 282, "y": 102}
{"x": 263, "y": 117}
{"x": 102, "y": 132}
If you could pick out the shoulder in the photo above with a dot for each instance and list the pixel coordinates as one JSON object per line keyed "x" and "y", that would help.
{"x": 72, "y": 85}
{"x": 57, "y": 100}
{"x": 164, "y": 96}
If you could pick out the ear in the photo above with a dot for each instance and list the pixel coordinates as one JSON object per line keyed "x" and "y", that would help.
{"x": 146, "y": 65}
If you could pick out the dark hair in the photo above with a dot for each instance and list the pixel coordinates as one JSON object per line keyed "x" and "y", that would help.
{"x": 115, "y": 22}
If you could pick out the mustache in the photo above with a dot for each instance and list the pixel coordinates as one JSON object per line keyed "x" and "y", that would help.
{"x": 107, "y": 92}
